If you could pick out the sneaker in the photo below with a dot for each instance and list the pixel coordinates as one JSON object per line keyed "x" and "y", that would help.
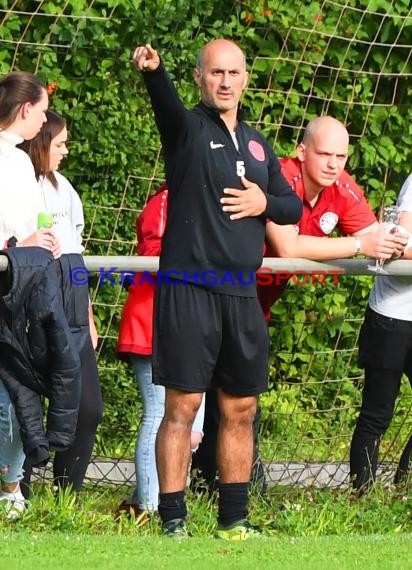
{"x": 13, "y": 504}
{"x": 175, "y": 528}
{"x": 241, "y": 530}
{"x": 131, "y": 511}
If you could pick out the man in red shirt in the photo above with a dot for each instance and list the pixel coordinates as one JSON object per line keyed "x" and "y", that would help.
{"x": 331, "y": 200}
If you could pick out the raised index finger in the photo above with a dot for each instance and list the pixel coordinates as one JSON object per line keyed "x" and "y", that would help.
{"x": 151, "y": 52}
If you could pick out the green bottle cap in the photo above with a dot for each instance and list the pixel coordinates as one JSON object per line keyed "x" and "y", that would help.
{"x": 44, "y": 220}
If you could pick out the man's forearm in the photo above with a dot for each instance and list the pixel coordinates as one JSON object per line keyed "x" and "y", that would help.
{"x": 285, "y": 209}
{"x": 324, "y": 248}
{"x": 166, "y": 103}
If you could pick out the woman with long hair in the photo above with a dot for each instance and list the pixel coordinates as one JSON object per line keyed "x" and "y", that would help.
{"x": 46, "y": 150}
{"x": 23, "y": 105}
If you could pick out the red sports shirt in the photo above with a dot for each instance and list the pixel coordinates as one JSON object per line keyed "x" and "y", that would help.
{"x": 341, "y": 205}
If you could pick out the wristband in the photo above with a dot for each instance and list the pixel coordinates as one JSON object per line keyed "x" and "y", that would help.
{"x": 357, "y": 244}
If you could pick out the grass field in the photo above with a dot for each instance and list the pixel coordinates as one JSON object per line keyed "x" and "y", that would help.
{"x": 304, "y": 529}
{"x": 51, "y": 551}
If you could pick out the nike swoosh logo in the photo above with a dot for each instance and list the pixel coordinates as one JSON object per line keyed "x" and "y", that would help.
{"x": 216, "y": 145}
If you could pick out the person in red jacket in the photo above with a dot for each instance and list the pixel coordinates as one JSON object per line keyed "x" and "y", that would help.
{"x": 135, "y": 344}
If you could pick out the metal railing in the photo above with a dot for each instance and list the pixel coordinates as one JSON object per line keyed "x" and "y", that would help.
{"x": 361, "y": 266}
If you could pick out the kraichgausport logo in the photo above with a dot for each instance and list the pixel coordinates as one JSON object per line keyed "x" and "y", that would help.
{"x": 264, "y": 276}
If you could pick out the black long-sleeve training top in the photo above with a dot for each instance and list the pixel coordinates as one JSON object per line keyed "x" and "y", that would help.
{"x": 201, "y": 244}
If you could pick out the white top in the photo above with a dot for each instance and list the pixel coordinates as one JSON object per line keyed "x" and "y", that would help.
{"x": 20, "y": 199}
{"x": 65, "y": 205}
{"x": 391, "y": 295}
{"x": 233, "y": 135}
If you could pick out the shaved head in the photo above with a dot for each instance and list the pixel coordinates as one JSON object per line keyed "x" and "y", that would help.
{"x": 221, "y": 77}
{"x": 323, "y": 153}
{"x": 219, "y": 44}
{"x": 321, "y": 125}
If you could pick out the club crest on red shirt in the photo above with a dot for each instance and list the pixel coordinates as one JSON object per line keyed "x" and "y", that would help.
{"x": 328, "y": 222}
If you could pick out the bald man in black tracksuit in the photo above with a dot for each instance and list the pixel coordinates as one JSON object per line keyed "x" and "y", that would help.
{"x": 224, "y": 182}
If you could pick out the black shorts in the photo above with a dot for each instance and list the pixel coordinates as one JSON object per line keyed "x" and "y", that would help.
{"x": 203, "y": 340}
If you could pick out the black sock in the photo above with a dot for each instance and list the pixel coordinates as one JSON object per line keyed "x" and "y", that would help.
{"x": 172, "y": 506}
{"x": 233, "y": 499}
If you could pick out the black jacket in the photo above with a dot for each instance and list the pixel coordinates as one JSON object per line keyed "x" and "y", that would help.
{"x": 38, "y": 356}
{"x": 74, "y": 297}
{"x": 201, "y": 160}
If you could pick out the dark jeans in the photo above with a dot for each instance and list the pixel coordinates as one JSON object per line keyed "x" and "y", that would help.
{"x": 385, "y": 351}
{"x": 69, "y": 467}
{"x": 204, "y": 464}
